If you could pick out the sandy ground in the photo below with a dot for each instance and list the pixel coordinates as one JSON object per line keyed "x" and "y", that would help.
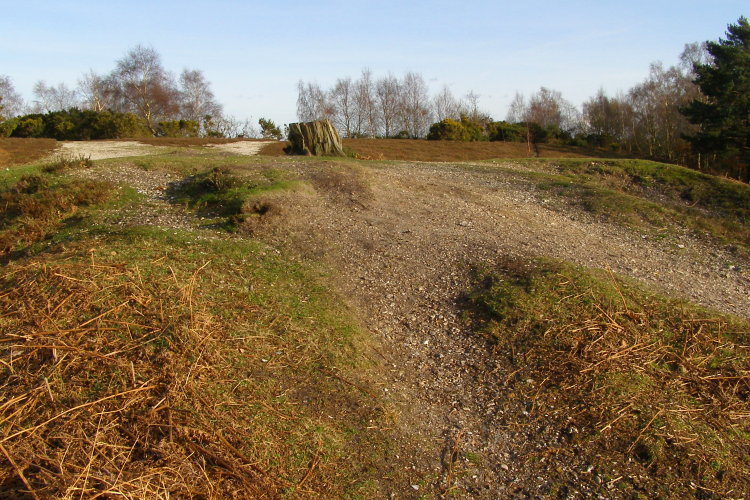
{"x": 248, "y": 148}
{"x": 100, "y": 150}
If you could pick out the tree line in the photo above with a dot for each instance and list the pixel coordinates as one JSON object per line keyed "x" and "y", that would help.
{"x": 644, "y": 121}
{"x": 385, "y": 107}
{"x": 138, "y": 97}
{"x": 695, "y": 113}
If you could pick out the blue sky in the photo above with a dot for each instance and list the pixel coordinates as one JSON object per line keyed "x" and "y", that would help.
{"x": 254, "y": 53}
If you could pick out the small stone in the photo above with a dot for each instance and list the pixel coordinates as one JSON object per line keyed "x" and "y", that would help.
{"x": 415, "y": 486}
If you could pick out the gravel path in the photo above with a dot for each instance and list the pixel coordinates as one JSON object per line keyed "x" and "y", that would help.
{"x": 401, "y": 241}
{"x": 100, "y": 150}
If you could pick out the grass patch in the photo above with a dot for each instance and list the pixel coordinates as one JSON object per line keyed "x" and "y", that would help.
{"x": 220, "y": 191}
{"x": 151, "y": 363}
{"x": 653, "y": 196}
{"x": 638, "y": 386}
{"x": 62, "y": 163}
{"x": 675, "y": 185}
{"x": 36, "y": 205}
{"x": 15, "y": 151}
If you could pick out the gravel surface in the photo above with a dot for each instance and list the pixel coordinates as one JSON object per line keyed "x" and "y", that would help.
{"x": 401, "y": 241}
{"x": 99, "y": 150}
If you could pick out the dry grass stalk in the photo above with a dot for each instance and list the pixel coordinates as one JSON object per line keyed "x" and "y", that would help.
{"x": 660, "y": 385}
{"x": 80, "y": 423}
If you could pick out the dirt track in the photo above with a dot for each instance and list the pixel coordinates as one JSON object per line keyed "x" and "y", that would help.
{"x": 401, "y": 240}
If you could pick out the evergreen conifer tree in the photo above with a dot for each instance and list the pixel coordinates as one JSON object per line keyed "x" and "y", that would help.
{"x": 724, "y": 111}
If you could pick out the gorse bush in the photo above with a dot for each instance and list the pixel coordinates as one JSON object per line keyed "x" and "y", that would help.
{"x": 508, "y": 132}
{"x": 451, "y": 130}
{"x": 178, "y": 128}
{"x": 75, "y": 125}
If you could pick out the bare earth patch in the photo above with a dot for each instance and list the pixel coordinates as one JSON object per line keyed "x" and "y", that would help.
{"x": 402, "y": 240}
{"x": 100, "y": 150}
{"x": 247, "y": 148}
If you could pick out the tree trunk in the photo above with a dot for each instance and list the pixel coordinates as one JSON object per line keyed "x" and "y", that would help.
{"x": 317, "y": 138}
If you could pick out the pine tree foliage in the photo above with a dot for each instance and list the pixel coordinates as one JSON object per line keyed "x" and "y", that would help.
{"x": 724, "y": 112}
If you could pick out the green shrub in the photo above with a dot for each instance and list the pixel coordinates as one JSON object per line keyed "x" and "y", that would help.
{"x": 508, "y": 132}
{"x": 8, "y": 126}
{"x": 78, "y": 125}
{"x": 29, "y": 126}
{"x": 178, "y": 128}
{"x": 452, "y": 130}
{"x": 269, "y": 130}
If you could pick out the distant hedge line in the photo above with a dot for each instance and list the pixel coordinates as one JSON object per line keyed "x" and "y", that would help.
{"x": 83, "y": 125}
{"x": 468, "y": 129}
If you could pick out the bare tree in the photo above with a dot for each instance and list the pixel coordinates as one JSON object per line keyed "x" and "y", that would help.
{"x": 49, "y": 98}
{"x": 364, "y": 98}
{"x": 415, "y": 111}
{"x": 93, "y": 92}
{"x": 445, "y": 105}
{"x": 342, "y": 99}
{"x": 11, "y": 102}
{"x": 544, "y": 108}
{"x": 139, "y": 84}
{"x": 608, "y": 119}
{"x": 387, "y": 100}
{"x": 692, "y": 54}
{"x": 472, "y": 100}
{"x": 656, "y": 103}
{"x": 197, "y": 101}
{"x": 229, "y": 126}
{"x": 547, "y": 108}
{"x": 517, "y": 109}
{"x": 312, "y": 103}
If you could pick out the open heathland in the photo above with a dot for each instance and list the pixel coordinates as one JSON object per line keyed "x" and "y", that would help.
{"x": 422, "y": 150}
{"x": 198, "y": 322}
